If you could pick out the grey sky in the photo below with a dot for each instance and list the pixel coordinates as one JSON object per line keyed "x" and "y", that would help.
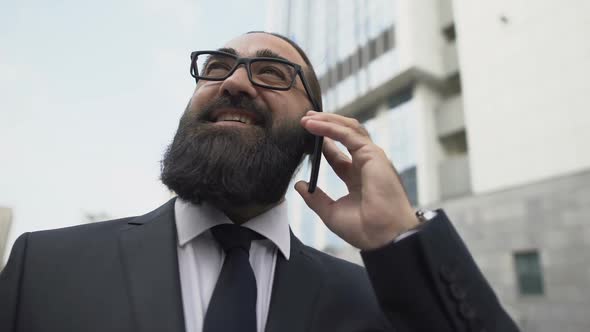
{"x": 90, "y": 96}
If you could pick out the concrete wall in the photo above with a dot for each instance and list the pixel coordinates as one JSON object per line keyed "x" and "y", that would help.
{"x": 417, "y": 34}
{"x": 449, "y": 116}
{"x": 428, "y": 150}
{"x": 454, "y": 176}
{"x": 525, "y": 67}
{"x": 551, "y": 216}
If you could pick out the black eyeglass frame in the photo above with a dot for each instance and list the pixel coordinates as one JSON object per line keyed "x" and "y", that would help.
{"x": 246, "y": 61}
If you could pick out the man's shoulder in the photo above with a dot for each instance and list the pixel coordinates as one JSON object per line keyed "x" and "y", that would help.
{"x": 348, "y": 274}
{"x": 103, "y": 228}
{"x": 106, "y": 226}
{"x": 331, "y": 263}
{"x": 74, "y": 237}
{"x": 346, "y": 290}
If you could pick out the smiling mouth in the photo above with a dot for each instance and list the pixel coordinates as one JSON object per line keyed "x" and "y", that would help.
{"x": 227, "y": 116}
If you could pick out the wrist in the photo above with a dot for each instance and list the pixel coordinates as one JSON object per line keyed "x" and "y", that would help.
{"x": 386, "y": 236}
{"x": 412, "y": 225}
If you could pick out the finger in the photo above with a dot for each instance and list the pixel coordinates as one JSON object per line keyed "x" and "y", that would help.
{"x": 318, "y": 201}
{"x": 350, "y": 138}
{"x": 339, "y": 161}
{"x": 336, "y": 118}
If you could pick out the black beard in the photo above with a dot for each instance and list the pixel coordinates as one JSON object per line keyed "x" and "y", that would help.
{"x": 233, "y": 166}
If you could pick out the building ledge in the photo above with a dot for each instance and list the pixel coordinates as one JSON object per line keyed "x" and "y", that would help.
{"x": 405, "y": 78}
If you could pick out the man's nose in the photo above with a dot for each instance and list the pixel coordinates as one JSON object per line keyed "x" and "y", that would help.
{"x": 239, "y": 83}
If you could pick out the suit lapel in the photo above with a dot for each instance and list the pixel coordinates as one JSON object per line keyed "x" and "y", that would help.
{"x": 149, "y": 258}
{"x": 296, "y": 288}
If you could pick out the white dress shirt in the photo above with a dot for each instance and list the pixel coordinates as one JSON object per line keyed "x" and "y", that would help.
{"x": 200, "y": 257}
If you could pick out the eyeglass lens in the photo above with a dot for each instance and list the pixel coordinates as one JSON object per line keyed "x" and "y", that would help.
{"x": 266, "y": 72}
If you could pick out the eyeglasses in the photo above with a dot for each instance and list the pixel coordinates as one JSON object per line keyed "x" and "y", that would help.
{"x": 270, "y": 73}
{"x": 265, "y": 72}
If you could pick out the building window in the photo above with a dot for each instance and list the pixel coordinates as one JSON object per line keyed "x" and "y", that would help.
{"x": 408, "y": 178}
{"x": 450, "y": 33}
{"x": 401, "y": 97}
{"x": 360, "y": 58}
{"x": 387, "y": 40}
{"x": 529, "y": 273}
{"x": 455, "y": 144}
{"x": 372, "y": 49}
{"x": 340, "y": 72}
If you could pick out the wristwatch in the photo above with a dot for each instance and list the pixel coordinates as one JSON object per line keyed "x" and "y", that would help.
{"x": 425, "y": 215}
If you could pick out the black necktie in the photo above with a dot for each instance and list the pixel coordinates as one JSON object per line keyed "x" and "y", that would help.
{"x": 233, "y": 304}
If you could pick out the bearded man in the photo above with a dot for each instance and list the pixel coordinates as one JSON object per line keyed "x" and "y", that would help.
{"x": 221, "y": 257}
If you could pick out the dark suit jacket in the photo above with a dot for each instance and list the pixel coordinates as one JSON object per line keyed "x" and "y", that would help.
{"x": 122, "y": 275}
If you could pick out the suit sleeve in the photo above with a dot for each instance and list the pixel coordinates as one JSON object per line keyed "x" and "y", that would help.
{"x": 10, "y": 280}
{"x": 429, "y": 282}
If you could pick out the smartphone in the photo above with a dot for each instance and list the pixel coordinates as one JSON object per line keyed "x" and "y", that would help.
{"x": 316, "y": 157}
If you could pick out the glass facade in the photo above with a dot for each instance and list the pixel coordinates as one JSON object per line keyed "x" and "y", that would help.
{"x": 394, "y": 130}
{"x": 350, "y": 43}
{"x": 352, "y": 47}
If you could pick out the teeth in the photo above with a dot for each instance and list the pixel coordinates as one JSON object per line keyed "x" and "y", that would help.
{"x": 235, "y": 117}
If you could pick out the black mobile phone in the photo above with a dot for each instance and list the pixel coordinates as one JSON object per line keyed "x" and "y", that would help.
{"x": 316, "y": 157}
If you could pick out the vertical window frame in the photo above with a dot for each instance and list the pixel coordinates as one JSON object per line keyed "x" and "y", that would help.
{"x": 531, "y": 284}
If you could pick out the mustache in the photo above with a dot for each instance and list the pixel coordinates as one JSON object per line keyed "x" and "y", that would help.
{"x": 263, "y": 116}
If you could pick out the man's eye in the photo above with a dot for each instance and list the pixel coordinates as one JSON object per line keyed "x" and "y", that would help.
{"x": 216, "y": 68}
{"x": 272, "y": 71}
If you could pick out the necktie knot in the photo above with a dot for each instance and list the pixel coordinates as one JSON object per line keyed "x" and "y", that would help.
{"x": 231, "y": 236}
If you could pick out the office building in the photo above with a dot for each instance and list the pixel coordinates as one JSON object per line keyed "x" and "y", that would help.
{"x": 483, "y": 109}
{"x": 5, "y": 222}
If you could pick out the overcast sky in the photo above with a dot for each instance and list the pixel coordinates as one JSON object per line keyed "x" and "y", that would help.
{"x": 90, "y": 96}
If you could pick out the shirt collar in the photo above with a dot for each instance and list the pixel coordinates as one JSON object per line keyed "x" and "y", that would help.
{"x": 192, "y": 220}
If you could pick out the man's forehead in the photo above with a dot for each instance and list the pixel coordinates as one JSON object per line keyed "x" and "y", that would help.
{"x": 255, "y": 44}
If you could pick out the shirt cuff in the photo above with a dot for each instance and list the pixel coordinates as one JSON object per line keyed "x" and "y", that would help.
{"x": 405, "y": 235}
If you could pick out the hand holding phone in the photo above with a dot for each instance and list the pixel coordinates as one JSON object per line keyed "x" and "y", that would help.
{"x": 376, "y": 209}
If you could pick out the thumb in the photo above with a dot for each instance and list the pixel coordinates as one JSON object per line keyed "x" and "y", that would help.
{"x": 318, "y": 201}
